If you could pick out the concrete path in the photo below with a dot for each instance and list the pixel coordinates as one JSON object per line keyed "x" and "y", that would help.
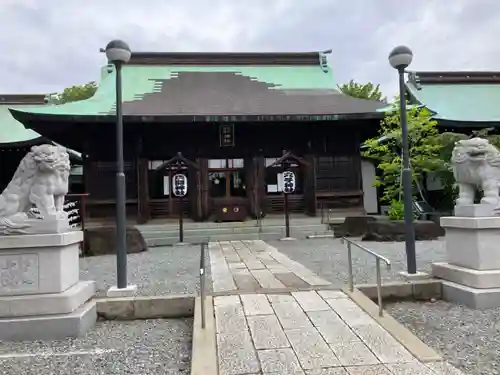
{"x": 274, "y": 316}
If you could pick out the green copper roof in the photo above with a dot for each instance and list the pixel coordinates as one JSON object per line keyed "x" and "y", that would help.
{"x": 141, "y": 80}
{"x": 11, "y": 130}
{"x": 458, "y": 98}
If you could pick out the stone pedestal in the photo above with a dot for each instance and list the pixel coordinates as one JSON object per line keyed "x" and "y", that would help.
{"x": 472, "y": 275}
{"x": 41, "y": 295}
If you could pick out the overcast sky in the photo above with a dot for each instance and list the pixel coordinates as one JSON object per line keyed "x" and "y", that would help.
{"x": 47, "y": 45}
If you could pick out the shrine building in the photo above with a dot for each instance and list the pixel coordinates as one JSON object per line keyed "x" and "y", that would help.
{"x": 231, "y": 116}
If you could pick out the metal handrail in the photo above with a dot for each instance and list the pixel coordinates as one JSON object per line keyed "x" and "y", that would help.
{"x": 202, "y": 284}
{"x": 378, "y": 258}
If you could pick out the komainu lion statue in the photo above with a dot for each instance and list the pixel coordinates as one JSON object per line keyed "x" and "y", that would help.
{"x": 40, "y": 183}
{"x": 476, "y": 165}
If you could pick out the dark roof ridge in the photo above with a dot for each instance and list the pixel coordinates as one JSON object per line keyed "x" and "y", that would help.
{"x": 225, "y": 58}
{"x": 23, "y": 98}
{"x": 456, "y": 77}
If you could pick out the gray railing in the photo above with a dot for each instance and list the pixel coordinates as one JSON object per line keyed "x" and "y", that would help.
{"x": 378, "y": 259}
{"x": 202, "y": 283}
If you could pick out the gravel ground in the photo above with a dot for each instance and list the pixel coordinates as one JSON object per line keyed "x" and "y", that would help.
{"x": 468, "y": 339}
{"x": 112, "y": 347}
{"x": 328, "y": 258}
{"x": 158, "y": 271}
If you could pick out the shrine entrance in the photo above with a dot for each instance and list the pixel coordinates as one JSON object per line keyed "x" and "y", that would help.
{"x": 228, "y": 189}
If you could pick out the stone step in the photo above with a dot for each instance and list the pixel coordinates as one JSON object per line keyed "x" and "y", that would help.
{"x": 246, "y": 224}
{"x": 173, "y": 231}
{"x": 205, "y": 236}
{"x": 169, "y": 241}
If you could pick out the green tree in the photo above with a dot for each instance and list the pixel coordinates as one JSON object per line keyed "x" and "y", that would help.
{"x": 76, "y": 93}
{"x": 362, "y": 91}
{"x": 424, "y": 149}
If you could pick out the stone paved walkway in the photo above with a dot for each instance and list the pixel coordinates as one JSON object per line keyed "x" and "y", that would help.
{"x": 265, "y": 327}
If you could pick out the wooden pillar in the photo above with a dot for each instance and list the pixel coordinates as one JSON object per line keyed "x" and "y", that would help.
{"x": 194, "y": 194}
{"x": 204, "y": 189}
{"x": 88, "y": 175}
{"x": 143, "y": 214}
{"x": 260, "y": 177}
{"x": 251, "y": 187}
{"x": 310, "y": 185}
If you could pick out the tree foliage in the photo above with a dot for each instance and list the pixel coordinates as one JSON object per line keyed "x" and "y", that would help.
{"x": 362, "y": 91}
{"x": 424, "y": 149}
{"x": 76, "y": 93}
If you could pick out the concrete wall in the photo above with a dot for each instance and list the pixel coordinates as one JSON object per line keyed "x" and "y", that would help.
{"x": 370, "y": 197}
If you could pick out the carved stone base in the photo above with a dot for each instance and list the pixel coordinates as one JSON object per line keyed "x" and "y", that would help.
{"x": 471, "y": 297}
{"x": 48, "y": 304}
{"x": 39, "y": 264}
{"x": 49, "y": 327}
{"x": 41, "y": 297}
{"x": 467, "y": 276}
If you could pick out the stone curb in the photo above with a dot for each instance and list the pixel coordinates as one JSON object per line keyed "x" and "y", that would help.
{"x": 145, "y": 307}
{"x": 400, "y": 290}
{"x": 411, "y": 342}
{"x": 204, "y": 351}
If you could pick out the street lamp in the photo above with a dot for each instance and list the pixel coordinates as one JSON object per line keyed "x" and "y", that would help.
{"x": 118, "y": 53}
{"x": 400, "y": 58}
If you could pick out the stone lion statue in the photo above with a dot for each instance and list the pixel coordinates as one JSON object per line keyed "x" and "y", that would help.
{"x": 40, "y": 183}
{"x": 476, "y": 165}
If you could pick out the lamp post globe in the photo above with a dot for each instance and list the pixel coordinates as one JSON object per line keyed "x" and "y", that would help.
{"x": 400, "y": 57}
{"x": 117, "y": 51}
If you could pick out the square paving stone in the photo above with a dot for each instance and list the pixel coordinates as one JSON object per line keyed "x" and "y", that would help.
{"x": 236, "y": 354}
{"x": 311, "y": 350}
{"x": 266, "y": 279}
{"x": 246, "y": 282}
{"x": 313, "y": 280}
{"x": 279, "y": 361}
{"x": 443, "y": 368}
{"x": 291, "y": 315}
{"x": 267, "y": 332}
{"x": 289, "y": 279}
{"x": 368, "y": 370}
{"x": 230, "y": 318}
{"x": 256, "y": 304}
{"x": 327, "y": 371}
{"x": 332, "y": 294}
{"x": 414, "y": 368}
{"x": 354, "y": 353}
{"x": 325, "y": 318}
{"x": 350, "y": 313}
{"x": 310, "y": 301}
{"x": 383, "y": 345}
{"x": 255, "y": 265}
{"x": 239, "y": 265}
{"x": 227, "y": 301}
{"x": 281, "y": 269}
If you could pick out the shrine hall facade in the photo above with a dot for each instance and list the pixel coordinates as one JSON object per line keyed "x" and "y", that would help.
{"x": 231, "y": 116}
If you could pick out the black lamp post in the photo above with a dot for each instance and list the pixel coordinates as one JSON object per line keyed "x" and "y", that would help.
{"x": 400, "y": 58}
{"x": 118, "y": 53}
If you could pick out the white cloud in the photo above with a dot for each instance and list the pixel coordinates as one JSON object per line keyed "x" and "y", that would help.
{"x": 52, "y": 44}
